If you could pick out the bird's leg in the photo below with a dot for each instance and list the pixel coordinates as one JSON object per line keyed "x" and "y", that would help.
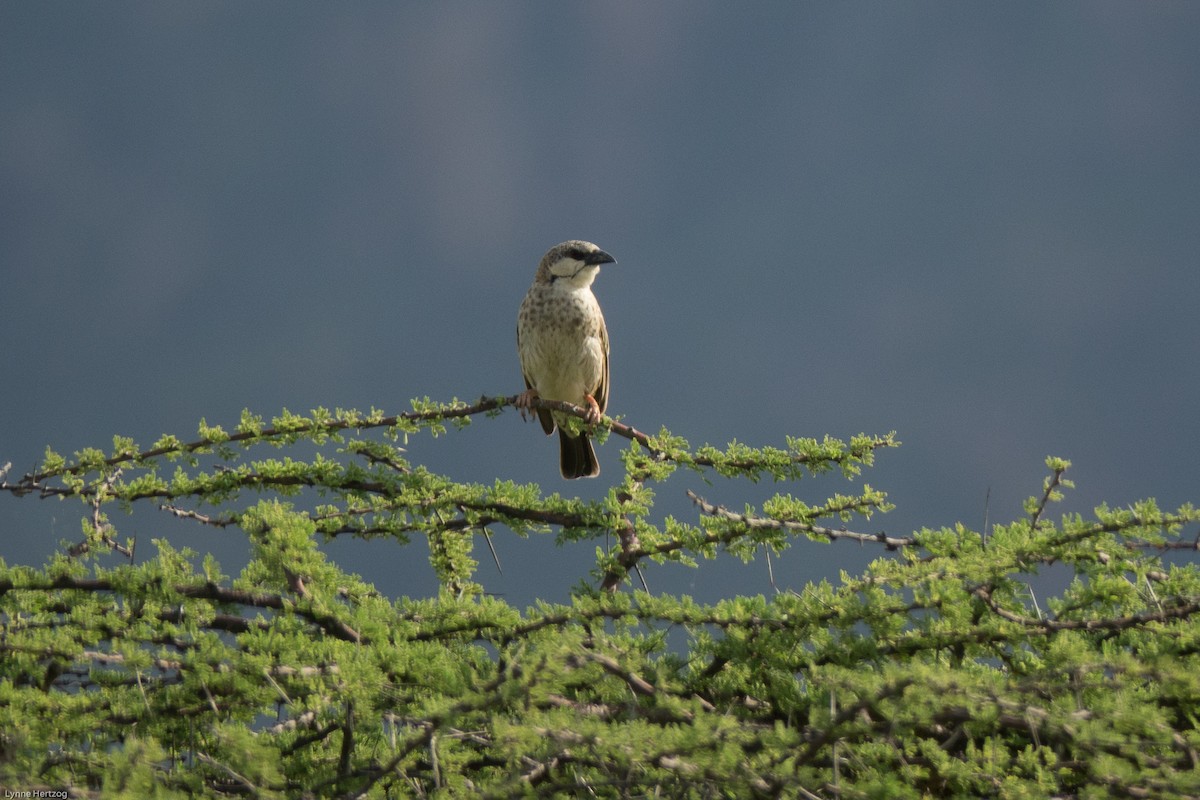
{"x": 524, "y": 402}
{"x": 593, "y": 410}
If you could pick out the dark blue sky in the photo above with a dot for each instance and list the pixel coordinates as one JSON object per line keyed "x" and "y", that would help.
{"x": 977, "y": 224}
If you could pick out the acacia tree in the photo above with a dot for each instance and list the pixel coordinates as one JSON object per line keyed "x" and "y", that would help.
{"x": 935, "y": 673}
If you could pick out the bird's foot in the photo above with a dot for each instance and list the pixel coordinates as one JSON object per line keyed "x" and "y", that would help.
{"x": 524, "y": 402}
{"x": 593, "y": 410}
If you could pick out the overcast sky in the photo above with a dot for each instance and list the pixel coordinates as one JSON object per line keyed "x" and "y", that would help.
{"x": 977, "y": 224}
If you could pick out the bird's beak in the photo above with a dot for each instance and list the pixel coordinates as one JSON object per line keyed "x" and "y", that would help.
{"x": 599, "y": 257}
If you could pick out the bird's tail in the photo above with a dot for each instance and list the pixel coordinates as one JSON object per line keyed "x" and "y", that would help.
{"x": 577, "y": 459}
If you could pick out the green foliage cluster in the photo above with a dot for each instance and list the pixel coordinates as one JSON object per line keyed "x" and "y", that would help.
{"x": 936, "y": 673}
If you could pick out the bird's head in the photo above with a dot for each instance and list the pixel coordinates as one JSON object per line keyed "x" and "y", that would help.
{"x": 576, "y": 262}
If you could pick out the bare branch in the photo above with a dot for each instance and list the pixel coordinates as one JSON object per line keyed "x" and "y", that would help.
{"x": 183, "y": 513}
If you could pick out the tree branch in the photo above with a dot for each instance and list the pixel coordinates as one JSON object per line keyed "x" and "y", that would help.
{"x": 32, "y": 482}
{"x": 202, "y": 591}
{"x": 890, "y": 542}
{"x": 1181, "y": 611}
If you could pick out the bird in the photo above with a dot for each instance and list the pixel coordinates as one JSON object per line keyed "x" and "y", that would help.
{"x": 563, "y": 346}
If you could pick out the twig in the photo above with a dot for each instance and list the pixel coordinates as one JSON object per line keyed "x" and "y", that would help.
{"x": 184, "y": 513}
{"x": 241, "y": 780}
{"x": 610, "y": 665}
{"x": 1181, "y": 611}
{"x": 1052, "y": 483}
{"x": 891, "y": 542}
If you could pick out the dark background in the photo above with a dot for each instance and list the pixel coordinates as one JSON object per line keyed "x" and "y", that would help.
{"x": 973, "y": 223}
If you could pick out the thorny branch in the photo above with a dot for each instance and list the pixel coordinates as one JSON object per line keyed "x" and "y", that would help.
{"x": 33, "y": 481}
{"x": 207, "y": 590}
{"x": 891, "y": 542}
{"x": 630, "y": 550}
{"x": 1179, "y": 611}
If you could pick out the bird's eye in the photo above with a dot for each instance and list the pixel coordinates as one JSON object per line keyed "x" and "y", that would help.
{"x": 576, "y": 254}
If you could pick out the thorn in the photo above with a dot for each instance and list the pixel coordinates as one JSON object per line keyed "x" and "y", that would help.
{"x": 487, "y": 537}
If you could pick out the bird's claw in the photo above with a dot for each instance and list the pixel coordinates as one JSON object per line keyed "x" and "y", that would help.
{"x": 524, "y": 402}
{"x": 593, "y": 410}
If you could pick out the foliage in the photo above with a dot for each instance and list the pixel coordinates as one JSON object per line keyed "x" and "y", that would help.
{"x": 936, "y": 673}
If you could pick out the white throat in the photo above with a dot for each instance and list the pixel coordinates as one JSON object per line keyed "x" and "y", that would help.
{"x": 573, "y": 275}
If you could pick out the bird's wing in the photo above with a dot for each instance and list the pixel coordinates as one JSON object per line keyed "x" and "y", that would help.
{"x": 544, "y": 416}
{"x": 601, "y": 393}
